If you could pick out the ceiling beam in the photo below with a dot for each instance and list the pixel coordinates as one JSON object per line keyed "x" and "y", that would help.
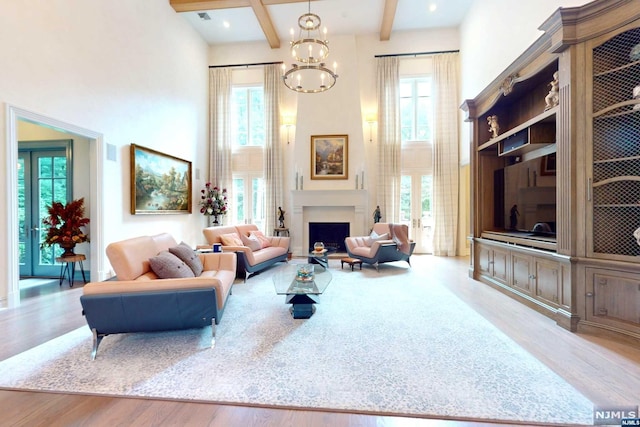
{"x": 200, "y": 5}
{"x": 388, "y": 16}
{"x": 265, "y": 23}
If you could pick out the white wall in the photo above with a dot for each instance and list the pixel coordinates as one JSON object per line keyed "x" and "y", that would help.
{"x": 133, "y": 71}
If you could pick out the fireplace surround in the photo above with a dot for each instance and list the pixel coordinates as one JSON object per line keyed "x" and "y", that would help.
{"x": 330, "y": 206}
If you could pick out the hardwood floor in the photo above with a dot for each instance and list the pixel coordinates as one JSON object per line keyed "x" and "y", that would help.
{"x": 605, "y": 370}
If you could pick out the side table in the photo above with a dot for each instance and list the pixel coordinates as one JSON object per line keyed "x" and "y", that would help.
{"x": 68, "y": 268}
{"x": 278, "y": 230}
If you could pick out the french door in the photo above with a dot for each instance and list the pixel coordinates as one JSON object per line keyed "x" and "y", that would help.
{"x": 43, "y": 177}
{"x": 415, "y": 210}
{"x": 248, "y": 200}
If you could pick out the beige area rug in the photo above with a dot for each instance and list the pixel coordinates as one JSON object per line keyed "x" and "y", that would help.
{"x": 388, "y": 342}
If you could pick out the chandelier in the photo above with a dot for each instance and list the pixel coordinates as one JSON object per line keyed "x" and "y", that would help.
{"x": 310, "y": 49}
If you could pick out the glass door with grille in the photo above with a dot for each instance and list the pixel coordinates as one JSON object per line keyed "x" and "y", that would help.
{"x": 614, "y": 185}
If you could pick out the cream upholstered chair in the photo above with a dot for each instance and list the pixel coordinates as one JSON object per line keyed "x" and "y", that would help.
{"x": 386, "y": 243}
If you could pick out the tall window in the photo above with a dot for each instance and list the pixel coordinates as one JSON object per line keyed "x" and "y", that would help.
{"x": 248, "y": 135}
{"x": 415, "y": 109}
{"x": 247, "y": 116}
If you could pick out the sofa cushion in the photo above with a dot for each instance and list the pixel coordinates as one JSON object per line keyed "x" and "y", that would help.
{"x": 264, "y": 242}
{"x": 231, "y": 239}
{"x": 252, "y": 242}
{"x": 168, "y": 266}
{"x": 189, "y": 257}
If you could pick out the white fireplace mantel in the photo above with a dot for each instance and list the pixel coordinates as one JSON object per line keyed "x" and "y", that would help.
{"x": 325, "y": 205}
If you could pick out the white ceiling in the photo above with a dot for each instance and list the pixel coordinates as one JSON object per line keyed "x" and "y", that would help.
{"x": 339, "y": 16}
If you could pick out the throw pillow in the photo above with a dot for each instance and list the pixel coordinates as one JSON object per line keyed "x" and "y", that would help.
{"x": 374, "y": 237}
{"x": 264, "y": 241}
{"x": 168, "y": 266}
{"x": 252, "y": 242}
{"x": 189, "y": 257}
{"x": 231, "y": 239}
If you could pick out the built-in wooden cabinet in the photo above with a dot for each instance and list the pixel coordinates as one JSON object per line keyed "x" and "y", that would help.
{"x": 556, "y": 193}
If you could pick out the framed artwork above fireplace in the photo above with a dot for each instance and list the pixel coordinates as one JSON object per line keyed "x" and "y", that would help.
{"x": 329, "y": 157}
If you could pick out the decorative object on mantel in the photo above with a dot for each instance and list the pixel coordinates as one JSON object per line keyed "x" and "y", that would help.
{"x": 377, "y": 216}
{"x": 494, "y": 127}
{"x": 213, "y": 202}
{"x": 329, "y": 157}
{"x": 65, "y": 223}
{"x": 311, "y": 49}
{"x": 552, "y": 99}
{"x": 281, "y": 217}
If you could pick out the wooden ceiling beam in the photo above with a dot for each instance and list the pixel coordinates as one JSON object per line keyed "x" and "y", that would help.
{"x": 388, "y": 16}
{"x": 259, "y": 8}
{"x": 199, "y": 5}
{"x": 266, "y": 23}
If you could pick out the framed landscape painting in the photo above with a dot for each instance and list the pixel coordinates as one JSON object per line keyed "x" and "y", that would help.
{"x": 160, "y": 183}
{"x": 329, "y": 156}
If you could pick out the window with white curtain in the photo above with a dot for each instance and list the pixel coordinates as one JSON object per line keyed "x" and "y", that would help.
{"x": 415, "y": 109}
{"x": 248, "y": 135}
{"x": 247, "y": 116}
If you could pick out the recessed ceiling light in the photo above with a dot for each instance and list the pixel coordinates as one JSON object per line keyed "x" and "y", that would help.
{"x": 226, "y": 24}
{"x": 433, "y": 7}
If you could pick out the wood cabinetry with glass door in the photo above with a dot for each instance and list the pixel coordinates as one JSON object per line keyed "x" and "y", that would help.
{"x": 555, "y": 184}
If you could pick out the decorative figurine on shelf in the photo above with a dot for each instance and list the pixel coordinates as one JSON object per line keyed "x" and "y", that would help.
{"x": 513, "y": 217}
{"x": 552, "y": 99}
{"x": 634, "y": 54}
{"x": 636, "y": 96}
{"x": 377, "y": 216}
{"x": 280, "y": 217}
{"x": 494, "y": 127}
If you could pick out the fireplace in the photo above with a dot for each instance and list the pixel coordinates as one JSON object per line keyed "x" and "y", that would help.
{"x": 326, "y": 206}
{"x": 332, "y": 234}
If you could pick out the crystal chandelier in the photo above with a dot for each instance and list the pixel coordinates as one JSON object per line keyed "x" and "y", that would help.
{"x": 310, "y": 49}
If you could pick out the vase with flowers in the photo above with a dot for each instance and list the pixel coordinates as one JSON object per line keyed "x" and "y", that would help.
{"x": 65, "y": 223}
{"x": 213, "y": 203}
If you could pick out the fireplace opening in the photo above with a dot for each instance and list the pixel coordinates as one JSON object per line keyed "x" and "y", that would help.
{"x": 332, "y": 234}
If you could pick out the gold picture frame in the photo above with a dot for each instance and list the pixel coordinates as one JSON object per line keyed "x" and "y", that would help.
{"x": 160, "y": 183}
{"x": 330, "y": 157}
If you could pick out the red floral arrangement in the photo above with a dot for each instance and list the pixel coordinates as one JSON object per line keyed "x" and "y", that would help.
{"x": 65, "y": 222}
{"x": 213, "y": 200}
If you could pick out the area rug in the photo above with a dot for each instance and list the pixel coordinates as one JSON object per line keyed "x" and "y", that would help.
{"x": 389, "y": 342}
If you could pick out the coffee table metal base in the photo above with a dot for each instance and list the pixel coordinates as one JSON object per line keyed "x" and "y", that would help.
{"x": 302, "y": 305}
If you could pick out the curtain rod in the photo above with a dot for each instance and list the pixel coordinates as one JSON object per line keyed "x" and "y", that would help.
{"x": 416, "y": 54}
{"x": 255, "y": 64}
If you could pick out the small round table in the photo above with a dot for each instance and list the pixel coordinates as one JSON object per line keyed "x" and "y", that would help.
{"x": 69, "y": 271}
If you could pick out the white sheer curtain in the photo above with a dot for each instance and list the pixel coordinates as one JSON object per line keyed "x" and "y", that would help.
{"x": 220, "y": 173}
{"x": 273, "y": 156}
{"x": 389, "y": 139}
{"x": 446, "y": 81}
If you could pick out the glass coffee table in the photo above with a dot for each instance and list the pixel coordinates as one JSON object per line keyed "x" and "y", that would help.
{"x": 320, "y": 257}
{"x": 301, "y": 294}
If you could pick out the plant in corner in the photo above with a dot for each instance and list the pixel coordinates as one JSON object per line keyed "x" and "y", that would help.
{"x": 213, "y": 202}
{"x": 65, "y": 222}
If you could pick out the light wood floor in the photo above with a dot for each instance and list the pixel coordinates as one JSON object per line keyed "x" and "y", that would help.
{"x": 605, "y": 370}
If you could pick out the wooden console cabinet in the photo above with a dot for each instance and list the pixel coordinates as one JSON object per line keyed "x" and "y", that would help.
{"x": 556, "y": 193}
